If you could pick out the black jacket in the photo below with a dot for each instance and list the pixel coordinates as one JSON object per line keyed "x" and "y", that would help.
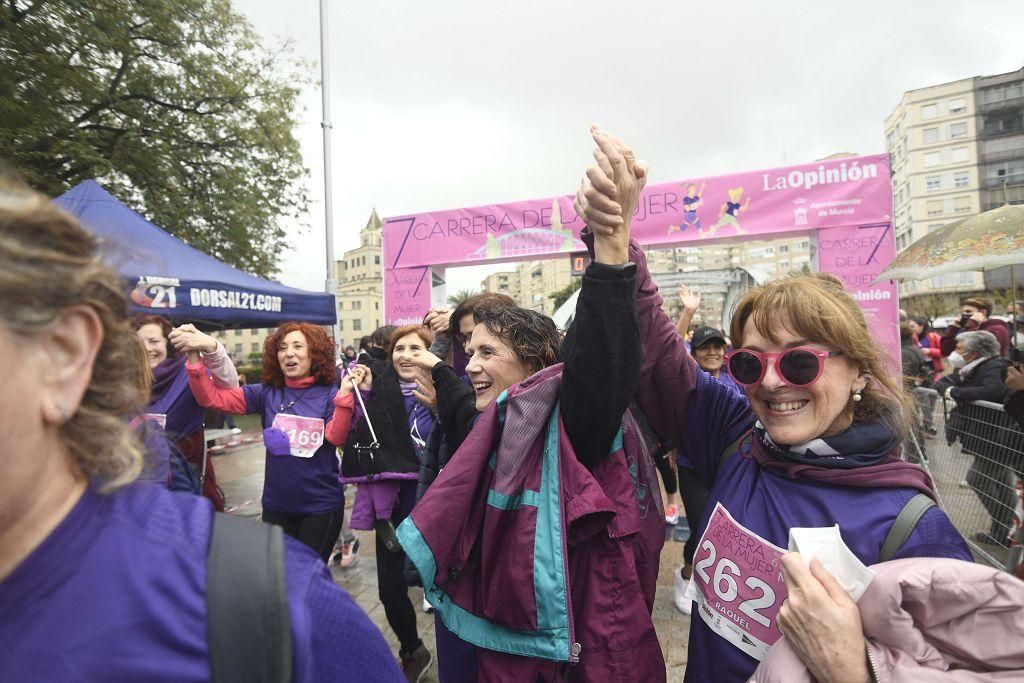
{"x": 386, "y": 408}
{"x": 983, "y": 431}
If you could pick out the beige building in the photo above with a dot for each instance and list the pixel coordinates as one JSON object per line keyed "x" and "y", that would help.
{"x": 532, "y": 283}
{"x": 359, "y": 274}
{"x": 504, "y": 282}
{"x": 244, "y": 346}
{"x": 954, "y": 148}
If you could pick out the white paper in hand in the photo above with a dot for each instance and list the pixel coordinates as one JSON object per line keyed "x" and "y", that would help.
{"x": 827, "y": 545}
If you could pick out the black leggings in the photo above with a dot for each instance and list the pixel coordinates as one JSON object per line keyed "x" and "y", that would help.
{"x": 319, "y": 532}
{"x": 394, "y": 594}
{"x": 695, "y": 497}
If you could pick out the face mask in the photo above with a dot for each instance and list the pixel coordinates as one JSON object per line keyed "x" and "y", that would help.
{"x": 956, "y": 360}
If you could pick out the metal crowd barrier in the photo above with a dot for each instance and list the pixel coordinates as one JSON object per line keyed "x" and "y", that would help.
{"x": 974, "y": 453}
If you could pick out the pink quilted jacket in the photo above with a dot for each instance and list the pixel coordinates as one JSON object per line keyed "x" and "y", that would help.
{"x": 931, "y": 620}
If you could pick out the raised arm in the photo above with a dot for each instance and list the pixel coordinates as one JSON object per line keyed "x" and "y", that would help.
{"x": 691, "y": 302}
{"x": 187, "y": 338}
{"x": 601, "y": 351}
{"x": 208, "y": 394}
{"x": 667, "y": 374}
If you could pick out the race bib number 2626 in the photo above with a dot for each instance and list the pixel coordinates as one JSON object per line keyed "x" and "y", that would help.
{"x": 737, "y": 584}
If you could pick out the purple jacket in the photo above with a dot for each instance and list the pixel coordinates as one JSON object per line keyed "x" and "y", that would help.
{"x": 552, "y": 568}
{"x": 705, "y": 417}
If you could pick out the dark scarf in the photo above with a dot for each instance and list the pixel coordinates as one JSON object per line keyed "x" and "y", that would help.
{"x": 866, "y": 455}
{"x": 386, "y": 407}
{"x": 164, "y": 375}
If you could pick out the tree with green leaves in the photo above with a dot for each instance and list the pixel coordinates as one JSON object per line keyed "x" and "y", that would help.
{"x": 173, "y": 105}
{"x": 563, "y": 294}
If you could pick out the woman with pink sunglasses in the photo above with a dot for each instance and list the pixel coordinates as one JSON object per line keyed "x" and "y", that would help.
{"x": 817, "y": 446}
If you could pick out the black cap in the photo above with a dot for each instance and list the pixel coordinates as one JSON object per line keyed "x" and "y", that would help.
{"x": 705, "y": 334}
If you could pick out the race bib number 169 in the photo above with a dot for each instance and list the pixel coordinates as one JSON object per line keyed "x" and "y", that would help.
{"x": 737, "y": 584}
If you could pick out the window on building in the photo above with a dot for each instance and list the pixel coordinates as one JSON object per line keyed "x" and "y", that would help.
{"x": 934, "y": 207}
{"x": 930, "y": 135}
{"x": 805, "y": 244}
{"x": 376, "y": 259}
{"x": 958, "y": 130}
{"x": 376, "y": 307}
{"x": 341, "y": 324}
{"x": 783, "y": 248}
{"x": 238, "y": 350}
{"x": 961, "y": 179}
{"x": 769, "y": 251}
{"x": 960, "y": 154}
{"x": 933, "y": 183}
{"x": 238, "y": 333}
{"x": 932, "y": 159}
{"x": 962, "y": 204}
{"x": 255, "y": 347}
{"x": 357, "y": 305}
{"x": 357, "y": 325}
{"x": 784, "y": 265}
{"x": 929, "y": 111}
{"x": 957, "y": 106}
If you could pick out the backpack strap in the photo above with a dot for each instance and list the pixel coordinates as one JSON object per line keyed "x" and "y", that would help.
{"x": 248, "y": 626}
{"x": 904, "y": 525}
{"x": 730, "y": 449}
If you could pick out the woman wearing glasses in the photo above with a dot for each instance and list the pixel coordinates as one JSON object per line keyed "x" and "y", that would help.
{"x": 817, "y": 446}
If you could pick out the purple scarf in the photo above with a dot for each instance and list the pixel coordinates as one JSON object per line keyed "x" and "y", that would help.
{"x": 865, "y": 456}
{"x": 163, "y": 376}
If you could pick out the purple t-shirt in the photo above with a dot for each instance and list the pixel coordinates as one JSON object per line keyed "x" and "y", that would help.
{"x": 117, "y": 593}
{"x": 294, "y": 485}
{"x": 770, "y": 504}
{"x": 184, "y": 415}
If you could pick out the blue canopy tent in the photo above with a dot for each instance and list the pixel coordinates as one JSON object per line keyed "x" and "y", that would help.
{"x": 169, "y": 278}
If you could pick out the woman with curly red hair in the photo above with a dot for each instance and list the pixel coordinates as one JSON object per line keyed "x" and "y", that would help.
{"x": 296, "y": 401}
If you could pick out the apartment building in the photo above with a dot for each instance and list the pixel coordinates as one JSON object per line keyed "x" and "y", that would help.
{"x": 956, "y": 149}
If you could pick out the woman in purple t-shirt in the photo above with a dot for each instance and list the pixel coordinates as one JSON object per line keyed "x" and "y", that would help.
{"x": 131, "y": 603}
{"x": 296, "y": 404}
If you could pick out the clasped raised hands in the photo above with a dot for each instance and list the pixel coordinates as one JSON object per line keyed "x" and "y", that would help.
{"x": 608, "y": 196}
{"x": 362, "y": 376}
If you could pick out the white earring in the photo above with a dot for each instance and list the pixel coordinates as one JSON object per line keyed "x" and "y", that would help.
{"x": 856, "y": 396}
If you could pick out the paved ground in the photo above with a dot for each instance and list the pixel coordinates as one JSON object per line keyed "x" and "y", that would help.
{"x": 240, "y": 473}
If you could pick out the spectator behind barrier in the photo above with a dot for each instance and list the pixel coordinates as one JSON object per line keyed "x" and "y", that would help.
{"x": 131, "y": 602}
{"x": 975, "y": 314}
{"x": 980, "y": 376}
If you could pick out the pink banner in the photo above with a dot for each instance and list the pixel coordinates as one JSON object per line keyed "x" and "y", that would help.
{"x": 836, "y": 194}
{"x": 856, "y": 255}
{"x": 827, "y": 194}
{"x": 406, "y": 295}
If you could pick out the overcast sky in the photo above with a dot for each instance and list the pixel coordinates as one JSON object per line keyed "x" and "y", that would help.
{"x": 446, "y": 104}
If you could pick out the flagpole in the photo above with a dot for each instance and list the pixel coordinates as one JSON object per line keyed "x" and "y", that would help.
{"x": 325, "y": 89}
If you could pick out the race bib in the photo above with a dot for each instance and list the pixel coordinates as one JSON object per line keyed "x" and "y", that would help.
{"x": 737, "y": 584}
{"x": 305, "y": 434}
{"x": 159, "y": 418}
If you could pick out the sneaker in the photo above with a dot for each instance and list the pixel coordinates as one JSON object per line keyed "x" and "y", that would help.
{"x": 683, "y": 603}
{"x": 427, "y": 607}
{"x": 236, "y": 430}
{"x": 672, "y": 515}
{"x": 417, "y": 664}
{"x": 349, "y": 552}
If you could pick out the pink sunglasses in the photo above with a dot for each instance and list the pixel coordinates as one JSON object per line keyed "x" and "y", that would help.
{"x": 800, "y": 366}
